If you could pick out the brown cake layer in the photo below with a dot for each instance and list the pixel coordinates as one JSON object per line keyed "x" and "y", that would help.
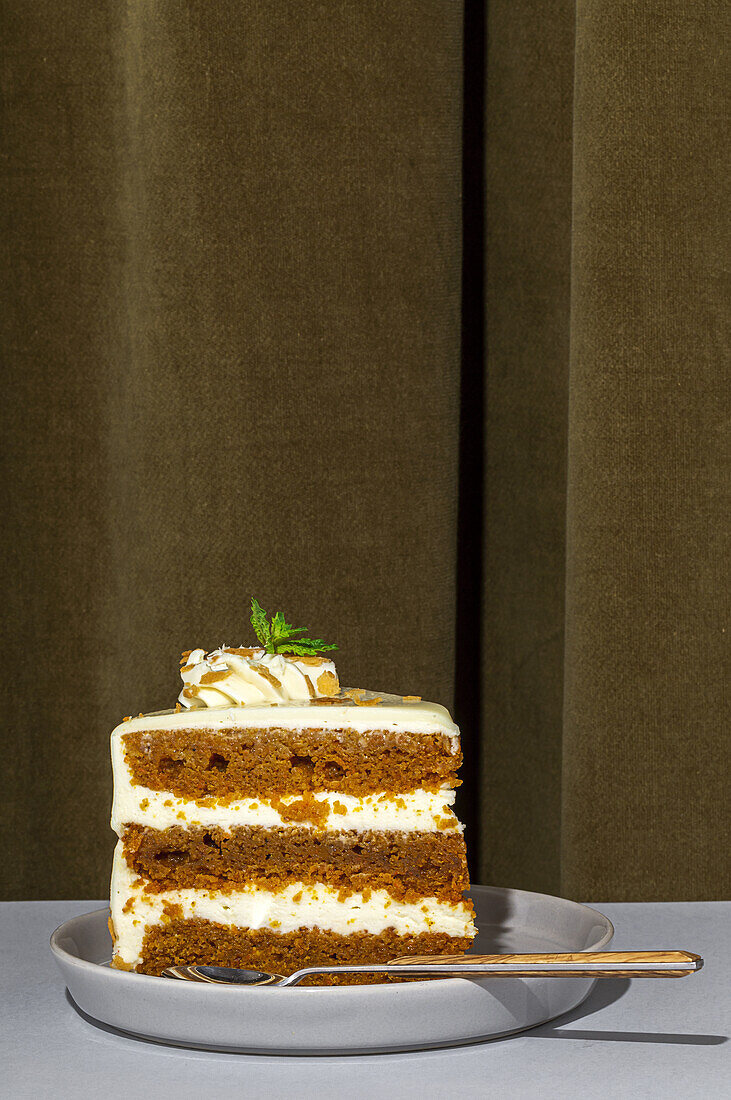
{"x": 181, "y": 942}
{"x": 195, "y": 763}
{"x": 408, "y": 865}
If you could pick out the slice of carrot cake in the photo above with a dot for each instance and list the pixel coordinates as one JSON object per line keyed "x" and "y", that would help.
{"x": 274, "y": 821}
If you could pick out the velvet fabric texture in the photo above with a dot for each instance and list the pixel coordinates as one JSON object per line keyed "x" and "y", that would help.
{"x": 241, "y": 355}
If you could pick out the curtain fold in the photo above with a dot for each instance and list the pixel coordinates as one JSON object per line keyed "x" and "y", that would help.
{"x": 645, "y": 745}
{"x": 232, "y": 366}
{"x": 528, "y": 258}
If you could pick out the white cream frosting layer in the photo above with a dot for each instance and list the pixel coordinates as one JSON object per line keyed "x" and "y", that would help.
{"x": 316, "y": 907}
{"x": 392, "y": 714}
{"x": 425, "y": 811}
{"x": 226, "y": 677}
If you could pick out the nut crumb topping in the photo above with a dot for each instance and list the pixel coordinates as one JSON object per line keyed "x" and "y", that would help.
{"x": 267, "y": 675}
{"x": 120, "y": 964}
{"x": 327, "y": 684}
{"x": 212, "y": 677}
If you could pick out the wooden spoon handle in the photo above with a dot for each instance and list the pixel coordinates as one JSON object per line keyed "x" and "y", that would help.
{"x": 629, "y": 957}
{"x": 632, "y": 964}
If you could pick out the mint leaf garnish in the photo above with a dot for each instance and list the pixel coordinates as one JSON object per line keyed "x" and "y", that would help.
{"x": 279, "y": 636}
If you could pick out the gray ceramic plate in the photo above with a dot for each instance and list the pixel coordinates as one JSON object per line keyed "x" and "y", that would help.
{"x": 342, "y": 1020}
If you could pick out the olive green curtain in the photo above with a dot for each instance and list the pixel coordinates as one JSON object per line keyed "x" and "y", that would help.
{"x": 243, "y": 354}
{"x": 605, "y": 744}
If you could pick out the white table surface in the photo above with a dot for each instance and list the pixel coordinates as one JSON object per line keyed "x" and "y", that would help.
{"x": 645, "y": 1038}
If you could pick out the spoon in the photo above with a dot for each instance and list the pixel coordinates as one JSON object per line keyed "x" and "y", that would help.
{"x": 589, "y": 964}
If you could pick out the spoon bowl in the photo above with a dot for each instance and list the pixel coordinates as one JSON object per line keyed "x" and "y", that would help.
{"x": 222, "y": 975}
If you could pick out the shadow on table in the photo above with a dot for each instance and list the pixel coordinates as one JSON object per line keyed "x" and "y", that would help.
{"x": 605, "y": 993}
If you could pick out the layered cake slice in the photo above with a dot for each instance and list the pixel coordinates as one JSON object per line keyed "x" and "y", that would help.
{"x": 273, "y": 821}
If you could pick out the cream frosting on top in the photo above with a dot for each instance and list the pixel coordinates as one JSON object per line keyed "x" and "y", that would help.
{"x": 341, "y": 712}
{"x": 252, "y": 677}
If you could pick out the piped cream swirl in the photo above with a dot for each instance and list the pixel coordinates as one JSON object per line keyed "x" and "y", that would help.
{"x": 242, "y": 677}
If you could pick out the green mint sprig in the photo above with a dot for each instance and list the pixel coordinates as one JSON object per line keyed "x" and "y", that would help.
{"x": 279, "y": 636}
